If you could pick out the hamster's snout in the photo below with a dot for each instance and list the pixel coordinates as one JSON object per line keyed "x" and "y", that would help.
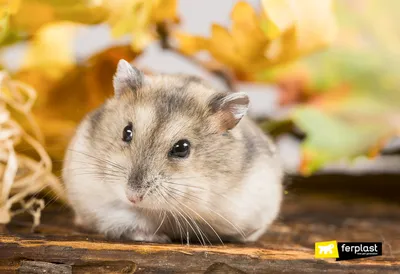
{"x": 134, "y": 197}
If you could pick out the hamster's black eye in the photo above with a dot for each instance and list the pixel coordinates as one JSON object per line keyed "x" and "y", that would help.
{"x": 180, "y": 149}
{"x": 127, "y": 134}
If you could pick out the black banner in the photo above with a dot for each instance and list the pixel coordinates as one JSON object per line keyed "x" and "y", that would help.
{"x": 356, "y": 250}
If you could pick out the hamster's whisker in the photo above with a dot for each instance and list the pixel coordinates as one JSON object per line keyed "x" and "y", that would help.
{"x": 193, "y": 177}
{"x": 188, "y": 215}
{"x": 98, "y": 165}
{"x": 186, "y": 220}
{"x": 100, "y": 159}
{"x": 161, "y": 223}
{"x": 221, "y": 195}
{"x": 147, "y": 191}
{"x": 212, "y": 228}
{"x": 171, "y": 225}
{"x": 48, "y": 191}
{"x": 88, "y": 172}
{"x": 173, "y": 215}
{"x": 197, "y": 187}
{"x": 182, "y": 213}
{"x": 111, "y": 180}
{"x": 176, "y": 191}
{"x": 95, "y": 170}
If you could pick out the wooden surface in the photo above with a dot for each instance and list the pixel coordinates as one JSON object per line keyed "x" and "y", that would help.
{"x": 58, "y": 247}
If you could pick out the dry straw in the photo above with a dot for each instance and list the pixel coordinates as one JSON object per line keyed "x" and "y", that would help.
{"x": 22, "y": 176}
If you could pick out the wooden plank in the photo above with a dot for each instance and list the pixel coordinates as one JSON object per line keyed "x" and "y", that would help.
{"x": 37, "y": 267}
{"x": 287, "y": 247}
{"x": 174, "y": 258}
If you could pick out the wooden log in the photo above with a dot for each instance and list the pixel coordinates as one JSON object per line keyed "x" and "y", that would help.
{"x": 37, "y": 267}
{"x": 287, "y": 247}
{"x": 114, "y": 257}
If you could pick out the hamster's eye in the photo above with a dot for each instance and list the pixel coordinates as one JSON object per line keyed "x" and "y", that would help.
{"x": 127, "y": 134}
{"x": 180, "y": 149}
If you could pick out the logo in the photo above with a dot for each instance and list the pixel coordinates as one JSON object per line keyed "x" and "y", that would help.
{"x": 347, "y": 250}
{"x": 326, "y": 249}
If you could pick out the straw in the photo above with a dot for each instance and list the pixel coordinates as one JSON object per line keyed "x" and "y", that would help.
{"x": 21, "y": 176}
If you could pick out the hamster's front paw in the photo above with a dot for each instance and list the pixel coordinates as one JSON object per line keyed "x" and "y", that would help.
{"x": 83, "y": 225}
{"x": 140, "y": 236}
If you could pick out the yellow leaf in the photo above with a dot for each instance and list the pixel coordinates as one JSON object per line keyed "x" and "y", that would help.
{"x": 14, "y": 6}
{"x": 141, "y": 40}
{"x": 315, "y": 24}
{"x": 120, "y": 17}
{"x": 222, "y": 46}
{"x": 311, "y": 24}
{"x": 11, "y": 6}
{"x": 33, "y": 14}
{"x": 283, "y": 31}
{"x": 138, "y": 17}
{"x": 4, "y": 25}
{"x": 190, "y": 44}
{"x": 51, "y": 50}
{"x": 283, "y": 48}
{"x": 7, "y": 9}
{"x": 245, "y": 24}
{"x": 164, "y": 10}
{"x": 279, "y": 15}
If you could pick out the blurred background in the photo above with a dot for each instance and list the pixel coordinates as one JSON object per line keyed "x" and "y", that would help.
{"x": 322, "y": 75}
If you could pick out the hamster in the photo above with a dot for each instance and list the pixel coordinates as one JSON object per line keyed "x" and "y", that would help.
{"x": 168, "y": 158}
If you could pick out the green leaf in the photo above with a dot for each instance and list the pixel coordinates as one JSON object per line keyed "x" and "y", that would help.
{"x": 331, "y": 138}
{"x": 4, "y": 26}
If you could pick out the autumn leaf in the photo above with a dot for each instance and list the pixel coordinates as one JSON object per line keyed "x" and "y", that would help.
{"x": 304, "y": 26}
{"x": 245, "y": 23}
{"x": 6, "y": 10}
{"x": 4, "y": 25}
{"x": 222, "y": 47}
{"x": 33, "y": 14}
{"x": 240, "y": 48}
{"x": 346, "y": 98}
{"x": 51, "y": 51}
{"x": 138, "y": 18}
{"x": 331, "y": 138}
{"x": 343, "y": 123}
{"x": 190, "y": 44}
{"x": 256, "y": 41}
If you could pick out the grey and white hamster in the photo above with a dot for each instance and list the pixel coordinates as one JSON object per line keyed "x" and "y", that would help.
{"x": 170, "y": 158}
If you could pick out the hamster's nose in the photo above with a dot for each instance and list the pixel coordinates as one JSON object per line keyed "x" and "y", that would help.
{"x": 135, "y": 198}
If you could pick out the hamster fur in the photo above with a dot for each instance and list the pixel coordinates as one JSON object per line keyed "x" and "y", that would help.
{"x": 228, "y": 187}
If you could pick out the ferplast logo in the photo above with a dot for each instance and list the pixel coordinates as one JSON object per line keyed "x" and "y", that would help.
{"x": 326, "y": 249}
{"x": 357, "y": 250}
{"x": 347, "y": 250}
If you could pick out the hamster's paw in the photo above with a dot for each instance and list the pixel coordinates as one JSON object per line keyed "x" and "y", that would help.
{"x": 140, "y": 236}
{"x": 80, "y": 223}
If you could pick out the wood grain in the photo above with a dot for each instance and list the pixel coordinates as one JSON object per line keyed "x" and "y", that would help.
{"x": 287, "y": 247}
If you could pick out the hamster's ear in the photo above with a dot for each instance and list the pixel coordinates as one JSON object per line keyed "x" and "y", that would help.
{"x": 126, "y": 78}
{"x": 230, "y": 109}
